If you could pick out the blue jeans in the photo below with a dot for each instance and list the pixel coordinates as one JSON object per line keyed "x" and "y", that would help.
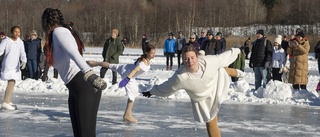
{"x": 33, "y": 68}
{"x": 260, "y": 73}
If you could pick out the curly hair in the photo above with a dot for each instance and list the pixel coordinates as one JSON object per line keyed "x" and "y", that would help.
{"x": 52, "y": 18}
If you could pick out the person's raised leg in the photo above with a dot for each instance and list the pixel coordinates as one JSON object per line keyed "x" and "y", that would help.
{"x": 234, "y": 72}
{"x": 128, "y": 113}
{"x": 213, "y": 128}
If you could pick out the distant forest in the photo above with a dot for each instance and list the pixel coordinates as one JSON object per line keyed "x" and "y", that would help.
{"x": 95, "y": 19}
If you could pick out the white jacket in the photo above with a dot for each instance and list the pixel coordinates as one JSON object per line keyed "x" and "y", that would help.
{"x": 206, "y": 93}
{"x": 13, "y": 53}
{"x": 278, "y": 58}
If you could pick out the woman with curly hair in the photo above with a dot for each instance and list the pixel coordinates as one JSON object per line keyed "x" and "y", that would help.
{"x": 64, "y": 52}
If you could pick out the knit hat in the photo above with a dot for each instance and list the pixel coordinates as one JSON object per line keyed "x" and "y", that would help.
{"x": 192, "y": 35}
{"x": 219, "y": 34}
{"x": 210, "y": 32}
{"x": 144, "y": 35}
{"x": 301, "y": 34}
{"x": 180, "y": 32}
{"x": 2, "y": 33}
{"x": 115, "y": 31}
{"x": 260, "y": 31}
{"x": 204, "y": 30}
{"x": 33, "y": 32}
{"x": 278, "y": 40}
{"x": 170, "y": 34}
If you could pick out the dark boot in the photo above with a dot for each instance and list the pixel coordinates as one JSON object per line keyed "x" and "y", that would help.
{"x": 170, "y": 67}
{"x": 167, "y": 68}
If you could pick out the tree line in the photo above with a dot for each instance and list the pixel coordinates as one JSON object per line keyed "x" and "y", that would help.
{"x": 95, "y": 19}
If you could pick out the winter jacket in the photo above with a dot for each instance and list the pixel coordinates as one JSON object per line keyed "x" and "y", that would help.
{"x": 14, "y": 53}
{"x": 195, "y": 45}
{"x": 298, "y": 73}
{"x": 239, "y": 63}
{"x": 278, "y": 57}
{"x": 261, "y": 53}
{"x": 112, "y": 49}
{"x": 180, "y": 43}
{"x": 223, "y": 44}
{"x": 212, "y": 47}
{"x": 206, "y": 93}
{"x": 33, "y": 49}
{"x": 246, "y": 46}
{"x": 317, "y": 50}
{"x": 169, "y": 46}
{"x": 145, "y": 43}
{"x": 202, "y": 41}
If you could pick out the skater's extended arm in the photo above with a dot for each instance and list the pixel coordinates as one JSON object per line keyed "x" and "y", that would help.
{"x": 95, "y": 63}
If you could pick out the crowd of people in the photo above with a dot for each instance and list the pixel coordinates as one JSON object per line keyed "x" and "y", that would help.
{"x": 203, "y": 59}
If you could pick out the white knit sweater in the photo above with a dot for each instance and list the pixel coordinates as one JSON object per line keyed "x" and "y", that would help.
{"x": 206, "y": 93}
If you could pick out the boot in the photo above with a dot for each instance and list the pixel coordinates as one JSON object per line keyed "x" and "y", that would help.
{"x": 167, "y": 68}
{"x": 170, "y": 67}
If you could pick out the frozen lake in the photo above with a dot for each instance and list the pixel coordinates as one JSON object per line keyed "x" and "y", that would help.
{"x": 41, "y": 115}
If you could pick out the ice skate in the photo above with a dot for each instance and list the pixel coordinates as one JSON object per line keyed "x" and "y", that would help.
{"x": 241, "y": 74}
{"x": 7, "y": 106}
{"x": 14, "y": 105}
{"x": 130, "y": 119}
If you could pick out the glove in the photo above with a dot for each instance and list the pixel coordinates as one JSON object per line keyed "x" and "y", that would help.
{"x": 124, "y": 82}
{"x": 95, "y": 80}
{"x": 267, "y": 64}
{"x": 250, "y": 65}
{"x": 23, "y": 65}
{"x": 146, "y": 94}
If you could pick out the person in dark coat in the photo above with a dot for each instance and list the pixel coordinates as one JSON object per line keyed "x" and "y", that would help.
{"x": 180, "y": 43}
{"x": 285, "y": 45}
{"x": 33, "y": 51}
{"x": 246, "y": 46}
{"x": 2, "y": 36}
{"x": 317, "y": 54}
{"x": 221, "y": 42}
{"x": 193, "y": 42}
{"x": 210, "y": 46}
{"x": 203, "y": 38}
{"x": 112, "y": 49}
{"x": 145, "y": 43}
{"x": 260, "y": 59}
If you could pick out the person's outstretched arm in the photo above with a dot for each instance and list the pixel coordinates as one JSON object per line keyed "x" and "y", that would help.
{"x": 95, "y": 63}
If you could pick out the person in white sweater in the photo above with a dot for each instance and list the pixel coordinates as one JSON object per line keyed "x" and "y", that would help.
{"x": 64, "y": 52}
{"x": 13, "y": 50}
{"x": 206, "y": 81}
{"x": 128, "y": 73}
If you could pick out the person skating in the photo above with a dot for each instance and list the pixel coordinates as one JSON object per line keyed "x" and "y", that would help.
{"x": 206, "y": 80}
{"x": 13, "y": 50}
{"x": 128, "y": 73}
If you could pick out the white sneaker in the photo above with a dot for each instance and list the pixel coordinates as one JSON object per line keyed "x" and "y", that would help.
{"x": 7, "y": 106}
{"x": 241, "y": 74}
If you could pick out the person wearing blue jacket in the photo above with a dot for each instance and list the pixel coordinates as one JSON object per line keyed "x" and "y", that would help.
{"x": 169, "y": 48}
{"x": 33, "y": 52}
